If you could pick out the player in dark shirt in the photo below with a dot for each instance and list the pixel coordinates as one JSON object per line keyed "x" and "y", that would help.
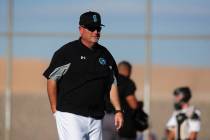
{"x": 128, "y": 103}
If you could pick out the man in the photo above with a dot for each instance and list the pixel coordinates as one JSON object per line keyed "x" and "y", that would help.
{"x": 185, "y": 121}
{"x": 128, "y": 103}
{"x": 80, "y": 75}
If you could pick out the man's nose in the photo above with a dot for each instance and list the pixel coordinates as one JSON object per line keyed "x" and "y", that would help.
{"x": 96, "y": 31}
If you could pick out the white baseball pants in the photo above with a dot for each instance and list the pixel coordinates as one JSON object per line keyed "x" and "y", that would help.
{"x": 75, "y": 127}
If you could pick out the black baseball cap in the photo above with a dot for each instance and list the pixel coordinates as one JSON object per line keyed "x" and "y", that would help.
{"x": 185, "y": 91}
{"x": 90, "y": 19}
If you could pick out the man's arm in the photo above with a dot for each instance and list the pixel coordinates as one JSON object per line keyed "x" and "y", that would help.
{"x": 193, "y": 136}
{"x": 132, "y": 101}
{"x": 52, "y": 94}
{"x": 171, "y": 135}
{"x": 195, "y": 125}
{"x": 114, "y": 97}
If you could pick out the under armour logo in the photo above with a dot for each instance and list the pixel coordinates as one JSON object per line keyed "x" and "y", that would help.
{"x": 83, "y": 57}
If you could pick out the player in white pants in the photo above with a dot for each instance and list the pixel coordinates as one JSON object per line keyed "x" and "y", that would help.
{"x": 81, "y": 74}
{"x": 75, "y": 127}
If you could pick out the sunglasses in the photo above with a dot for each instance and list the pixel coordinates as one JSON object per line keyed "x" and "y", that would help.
{"x": 92, "y": 28}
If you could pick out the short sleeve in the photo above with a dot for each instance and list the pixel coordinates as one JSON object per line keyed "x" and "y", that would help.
{"x": 57, "y": 68}
{"x": 195, "y": 122}
{"x": 171, "y": 122}
{"x": 113, "y": 67}
{"x": 131, "y": 88}
{"x": 194, "y": 125}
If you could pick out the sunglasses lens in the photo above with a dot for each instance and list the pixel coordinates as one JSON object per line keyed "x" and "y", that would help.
{"x": 92, "y": 29}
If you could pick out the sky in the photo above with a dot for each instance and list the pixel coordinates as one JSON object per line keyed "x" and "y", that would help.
{"x": 189, "y": 17}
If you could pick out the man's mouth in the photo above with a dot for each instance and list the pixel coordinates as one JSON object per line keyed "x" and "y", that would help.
{"x": 96, "y": 36}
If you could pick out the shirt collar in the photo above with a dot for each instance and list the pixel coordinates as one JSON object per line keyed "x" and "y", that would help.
{"x": 91, "y": 49}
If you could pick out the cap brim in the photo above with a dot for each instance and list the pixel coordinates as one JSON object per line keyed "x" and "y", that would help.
{"x": 94, "y": 25}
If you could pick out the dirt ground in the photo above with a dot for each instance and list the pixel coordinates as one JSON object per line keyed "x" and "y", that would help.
{"x": 32, "y": 119}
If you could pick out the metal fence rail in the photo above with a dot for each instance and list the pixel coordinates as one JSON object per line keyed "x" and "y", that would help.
{"x": 110, "y": 36}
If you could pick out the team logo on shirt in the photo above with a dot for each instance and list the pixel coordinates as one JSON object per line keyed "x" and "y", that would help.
{"x": 102, "y": 61}
{"x": 94, "y": 18}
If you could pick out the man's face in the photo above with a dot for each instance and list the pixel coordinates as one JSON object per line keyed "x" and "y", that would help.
{"x": 90, "y": 34}
{"x": 178, "y": 104}
{"x": 124, "y": 70}
{"x": 178, "y": 98}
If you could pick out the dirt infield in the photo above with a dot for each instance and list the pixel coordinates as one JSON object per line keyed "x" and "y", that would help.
{"x": 32, "y": 119}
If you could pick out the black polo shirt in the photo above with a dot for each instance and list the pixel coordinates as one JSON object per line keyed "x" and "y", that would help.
{"x": 84, "y": 76}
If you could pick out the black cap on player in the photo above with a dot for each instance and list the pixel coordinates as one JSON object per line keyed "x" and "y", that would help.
{"x": 90, "y": 19}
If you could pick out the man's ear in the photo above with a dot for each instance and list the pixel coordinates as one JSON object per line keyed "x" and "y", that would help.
{"x": 81, "y": 30}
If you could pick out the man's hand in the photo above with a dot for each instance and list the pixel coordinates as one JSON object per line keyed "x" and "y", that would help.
{"x": 52, "y": 94}
{"x": 53, "y": 109}
{"x": 119, "y": 120}
{"x": 116, "y": 103}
